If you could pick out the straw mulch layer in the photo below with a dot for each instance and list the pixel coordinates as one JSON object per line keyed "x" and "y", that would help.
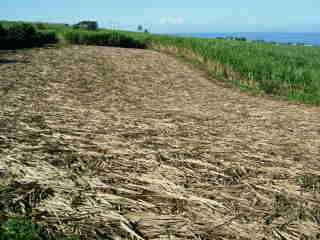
{"x": 110, "y": 143}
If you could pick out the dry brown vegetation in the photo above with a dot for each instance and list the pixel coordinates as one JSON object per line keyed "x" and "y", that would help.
{"x": 111, "y": 143}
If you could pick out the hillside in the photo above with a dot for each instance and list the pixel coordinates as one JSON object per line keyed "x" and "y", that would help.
{"x": 111, "y": 143}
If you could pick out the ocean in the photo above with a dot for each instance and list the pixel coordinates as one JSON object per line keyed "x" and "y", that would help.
{"x": 292, "y": 38}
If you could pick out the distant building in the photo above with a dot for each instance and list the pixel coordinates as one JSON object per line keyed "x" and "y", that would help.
{"x": 88, "y": 25}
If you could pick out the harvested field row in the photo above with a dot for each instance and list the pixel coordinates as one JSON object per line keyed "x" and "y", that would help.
{"x": 133, "y": 144}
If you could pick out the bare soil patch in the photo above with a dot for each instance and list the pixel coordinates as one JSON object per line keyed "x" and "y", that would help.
{"x": 121, "y": 143}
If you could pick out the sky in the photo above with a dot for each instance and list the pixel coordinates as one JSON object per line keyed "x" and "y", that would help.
{"x": 173, "y": 16}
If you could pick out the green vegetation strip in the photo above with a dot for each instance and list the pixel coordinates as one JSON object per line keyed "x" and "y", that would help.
{"x": 112, "y": 38}
{"x": 290, "y": 71}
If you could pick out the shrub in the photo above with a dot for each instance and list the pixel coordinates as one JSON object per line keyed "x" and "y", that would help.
{"x": 140, "y": 28}
{"x": 46, "y": 37}
{"x": 243, "y": 39}
{"x": 25, "y": 35}
{"x": 20, "y": 35}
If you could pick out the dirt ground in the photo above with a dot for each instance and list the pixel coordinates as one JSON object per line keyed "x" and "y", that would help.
{"x": 113, "y": 143}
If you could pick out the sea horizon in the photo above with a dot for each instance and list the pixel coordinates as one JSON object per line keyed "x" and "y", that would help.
{"x": 304, "y": 38}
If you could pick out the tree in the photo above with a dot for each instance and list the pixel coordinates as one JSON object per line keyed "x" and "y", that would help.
{"x": 3, "y": 31}
{"x": 87, "y": 25}
{"x": 140, "y": 28}
{"x": 146, "y": 31}
{"x": 3, "y": 35}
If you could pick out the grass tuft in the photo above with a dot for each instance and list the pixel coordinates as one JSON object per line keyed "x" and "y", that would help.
{"x": 25, "y": 229}
{"x": 15, "y": 229}
{"x": 309, "y": 182}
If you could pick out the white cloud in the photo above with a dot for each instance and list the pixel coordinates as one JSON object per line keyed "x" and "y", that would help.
{"x": 172, "y": 20}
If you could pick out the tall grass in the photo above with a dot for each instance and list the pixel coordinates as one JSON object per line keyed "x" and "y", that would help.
{"x": 103, "y": 38}
{"x": 291, "y": 71}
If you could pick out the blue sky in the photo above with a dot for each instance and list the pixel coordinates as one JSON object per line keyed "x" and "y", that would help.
{"x": 169, "y": 16}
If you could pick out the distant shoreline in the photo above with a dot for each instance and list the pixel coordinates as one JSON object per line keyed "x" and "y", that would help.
{"x": 306, "y": 39}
